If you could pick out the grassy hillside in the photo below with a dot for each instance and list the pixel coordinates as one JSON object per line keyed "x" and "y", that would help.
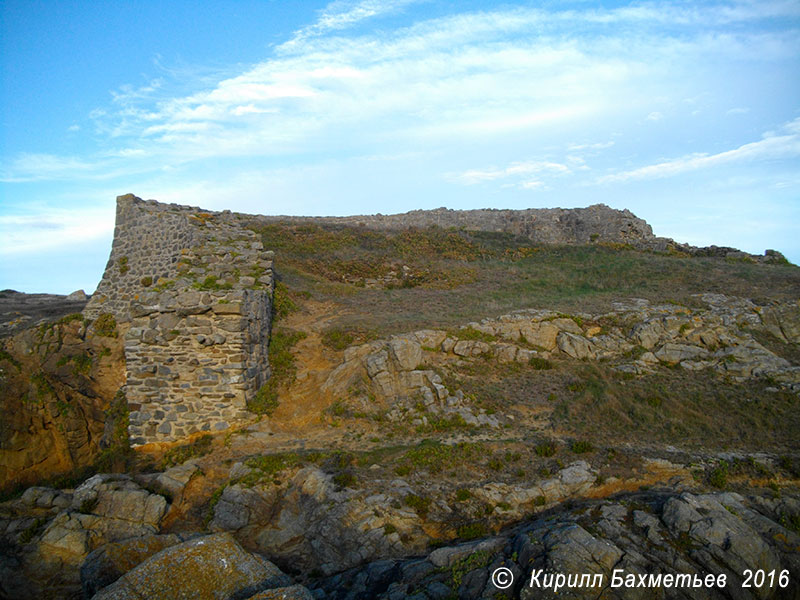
{"x": 456, "y": 276}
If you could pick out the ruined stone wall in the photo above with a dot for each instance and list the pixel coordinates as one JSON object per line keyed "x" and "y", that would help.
{"x": 598, "y": 223}
{"x": 196, "y": 288}
{"x": 148, "y": 239}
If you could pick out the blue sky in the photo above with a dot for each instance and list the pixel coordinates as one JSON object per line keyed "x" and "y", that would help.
{"x": 686, "y": 113}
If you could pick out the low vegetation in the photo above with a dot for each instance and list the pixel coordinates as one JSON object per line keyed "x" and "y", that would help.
{"x": 180, "y": 454}
{"x": 282, "y": 368}
{"x": 105, "y": 325}
{"x": 454, "y": 276}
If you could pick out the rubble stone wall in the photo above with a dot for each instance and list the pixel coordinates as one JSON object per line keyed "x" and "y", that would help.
{"x": 597, "y": 223}
{"x": 196, "y": 290}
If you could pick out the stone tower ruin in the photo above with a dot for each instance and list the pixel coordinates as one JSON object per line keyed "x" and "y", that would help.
{"x": 192, "y": 290}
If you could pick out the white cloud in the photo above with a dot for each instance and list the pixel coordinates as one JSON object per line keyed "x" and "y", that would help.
{"x": 462, "y": 79}
{"x": 58, "y": 228}
{"x": 770, "y": 146}
{"x": 655, "y": 116}
{"x": 342, "y": 14}
{"x": 595, "y": 146}
{"x": 514, "y": 170}
{"x": 40, "y": 166}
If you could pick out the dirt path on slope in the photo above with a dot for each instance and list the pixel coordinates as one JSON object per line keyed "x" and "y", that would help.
{"x": 302, "y": 406}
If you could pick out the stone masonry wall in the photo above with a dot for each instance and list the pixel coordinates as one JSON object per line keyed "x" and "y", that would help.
{"x": 196, "y": 290}
{"x": 542, "y": 225}
{"x": 148, "y": 239}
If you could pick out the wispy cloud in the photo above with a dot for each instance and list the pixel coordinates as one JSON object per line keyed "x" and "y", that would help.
{"x": 770, "y": 146}
{"x": 38, "y": 167}
{"x": 517, "y": 170}
{"x": 25, "y": 233}
{"x": 465, "y": 76}
{"x": 342, "y": 14}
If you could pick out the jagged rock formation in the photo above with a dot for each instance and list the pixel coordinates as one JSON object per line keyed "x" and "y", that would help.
{"x": 101, "y": 541}
{"x": 196, "y": 291}
{"x": 48, "y": 533}
{"x": 640, "y": 535}
{"x": 313, "y": 523}
{"x": 57, "y": 382}
{"x": 20, "y": 311}
{"x": 395, "y": 376}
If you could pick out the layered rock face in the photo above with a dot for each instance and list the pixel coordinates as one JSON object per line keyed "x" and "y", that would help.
{"x": 396, "y": 375}
{"x": 56, "y": 385}
{"x": 653, "y": 536}
{"x": 196, "y": 290}
{"x": 102, "y": 540}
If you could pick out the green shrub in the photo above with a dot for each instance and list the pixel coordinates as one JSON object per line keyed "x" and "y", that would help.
{"x": 539, "y": 363}
{"x": 81, "y": 363}
{"x": 118, "y": 454}
{"x": 32, "y": 530}
{"x": 421, "y": 504}
{"x": 472, "y": 531}
{"x": 212, "y": 503}
{"x": 441, "y": 423}
{"x": 718, "y": 477}
{"x": 283, "y": 368}
{"x": 435, "y": 456}
{"x": 545, "y": 449}
{"x": 269, "y": 465}
{"x": 106, "y": 325}
{"x": 338, "y": 339}
{"x": 389, "y": 529}
{"x": 403, "y": 470}
{"x": 345, "y": 479}
{"x": 581, "y": 447}
{"x": 265, "y": 402}
{"x": 42, "y": 385}
{"x": 463, "y": 566}
{"x": 282, "y": 303}
{"x": 463, "y": 494}
{"x": 180, "y": 454}
{"x": 636, "y": 352}
{"x": 122, "y": 263}
{"x": 210, "y": 284}
{"x": 5, "y": 356}
{"x": 495, "y": 464}
{"x": 470, "y": 333}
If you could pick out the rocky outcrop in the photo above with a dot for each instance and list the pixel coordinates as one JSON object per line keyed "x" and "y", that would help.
{"x": 104, "y": 565}
{"x": 49, "y": 533}
{"x": 20, "y": 311}
{"x": 57, "y": 383}
{"x": 313, "y": 521}
{"x": 636, "y": 336}
{"x": 643, "y": 535}
{"x": 214, "y": 566}
{"x": 594, "y": 224}
{"x": 390, "y": 369}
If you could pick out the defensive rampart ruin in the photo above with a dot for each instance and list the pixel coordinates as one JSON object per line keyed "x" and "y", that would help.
{"x": 194, "y": 289}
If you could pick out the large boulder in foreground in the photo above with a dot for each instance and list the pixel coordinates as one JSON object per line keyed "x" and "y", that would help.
{"x": 109, "y": 562}
{"x": 212, "y": 567}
